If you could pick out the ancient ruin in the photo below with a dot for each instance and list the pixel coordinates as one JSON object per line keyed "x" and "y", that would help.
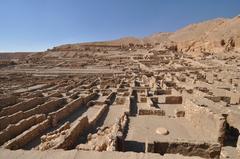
{"x": 125, "y": 99}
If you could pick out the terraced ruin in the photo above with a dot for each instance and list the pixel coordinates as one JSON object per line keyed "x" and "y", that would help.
{"x": 116, "y": 101}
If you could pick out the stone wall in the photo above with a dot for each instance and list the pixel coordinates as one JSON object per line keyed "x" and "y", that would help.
{"x": 49, "y": 140}
{"x": 66, "y": 110}
{"x": 93, "y": 121}
{"x": 109, "y": 138}
{"x": 65, "y": 137}
{"x": 11, "y": 119}
{"x": 73, "y": 133}
{"x": 22, "y": 139}
{"x": 70, "y": 108}
{"x": 15, "y": 129}
{"x": 89, "y": 97}
{"x": 6, "y": 101}
{"x": 46, "y": 107}
{"x": 22, "y": 106}
{"x": 127, "y": 105}
{"x": 55, "y": 94}
{"x": 41, "y": 109}
{"x": 233, "y": 120}
{"x": 121, "y": 134}
{"x": 110, "y": 98}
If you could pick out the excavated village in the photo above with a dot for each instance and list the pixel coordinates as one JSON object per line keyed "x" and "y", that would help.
{"x": 169, "y": 95}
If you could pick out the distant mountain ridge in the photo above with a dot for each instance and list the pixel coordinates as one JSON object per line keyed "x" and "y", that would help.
{"x": 217, "y": 35}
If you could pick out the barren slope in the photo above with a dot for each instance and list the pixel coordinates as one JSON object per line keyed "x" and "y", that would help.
{"x": 216, "y": 35}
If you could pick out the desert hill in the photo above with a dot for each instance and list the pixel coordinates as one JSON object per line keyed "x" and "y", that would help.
{"x": 217, "y": 35}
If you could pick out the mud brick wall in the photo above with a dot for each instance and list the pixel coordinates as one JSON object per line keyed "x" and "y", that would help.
{"x": 15, "y": 129}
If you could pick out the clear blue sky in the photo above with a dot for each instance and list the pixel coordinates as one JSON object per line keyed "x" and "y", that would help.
{"x": 34, "y": 25}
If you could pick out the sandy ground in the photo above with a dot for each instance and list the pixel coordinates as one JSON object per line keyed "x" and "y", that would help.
{"x": 74, "y": 154}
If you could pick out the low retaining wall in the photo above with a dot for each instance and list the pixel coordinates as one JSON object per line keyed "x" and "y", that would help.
{"x": 121, "y": 133}
{"x": 70, "y": 108}
{"x": 66, "y": 137}
{"x": 110, "y": 98}
{"x": 108, "y": 138}
{"x": 13, "y": 130}
{"x": 6, "y": 101}
{"x": 73, "y": 133}
{"x": 87, "y": 98}
{"x": 98, "y": 115}
{"x": 55, "y": 94}
{"x": 22, "y": 106}
{"x": 49, "y": 140}
{"x": 162, "y": 92}
{"x": 46, "y": 107}
{"x": 233, "y": 119}
{"x": 12, "y": 119}
{"x": 173, "y": 100}
{"x": 22, "y": 139}
{"x": 151, "y": 112}
{"x": 41, "y": 109}
{"x": 65, "y": 111}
